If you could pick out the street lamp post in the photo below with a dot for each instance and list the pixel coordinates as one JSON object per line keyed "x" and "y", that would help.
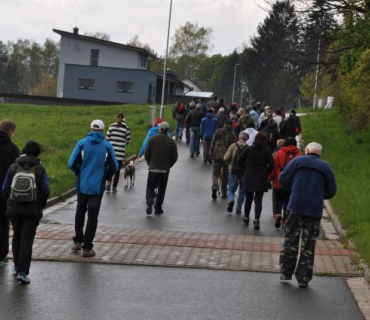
{"x": 232, "y": 98}
{"x": 165, "y": 64}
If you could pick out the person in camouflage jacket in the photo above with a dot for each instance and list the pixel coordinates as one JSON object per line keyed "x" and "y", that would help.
{"x": 244, "y": 121}
{"x": 221, "y": 141}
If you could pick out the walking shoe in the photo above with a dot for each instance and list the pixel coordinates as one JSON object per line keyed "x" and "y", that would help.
{"x": 238, "y": 212}
{"x": 114, "y": 189}
{"x": 77, "y": 246}
{"x": 230, "y": 206}
{"x": 283, "y": 277}
{"x": 23, "y": 278}
{"x": 14, "y": 271}
{"x": 246, "y": 221}
{"x": 149, "y": 207}
{"x": 192, "y": 155}
{"x": 107, "y": 186}
{"x": 256, "y": 224}
{"x": 303, "y": 284}
{"x": 278, "y": 221}
{"x": 87, "y": 253}
{"x": 158, "y": 211}
{"x": 214, "y": 194}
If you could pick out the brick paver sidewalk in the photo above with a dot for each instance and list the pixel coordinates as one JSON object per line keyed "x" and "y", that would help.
{"x": 186, "y": 249}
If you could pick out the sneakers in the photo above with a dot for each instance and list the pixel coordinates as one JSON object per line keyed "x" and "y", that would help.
{"x": 107, "y": 186}
{"x": 14, "y": 271}
{"x": 230, "y": 206}
{"x": 214, "y": 194}
{"x": 256, "y": 224}
{"x": 278, "y": 221}
{"x": 303, "y": 284}
{"x": 114, "y": 189}
{"x": 87, "y": 253}
{"x": 246, "y": 221}
{"x": 149, "y": 207}
{"x": 158, "y": 211}
{"x": 238, "y": 212}
{"x": 283, "y": 277}
{"x": 77, "y": 246}
{"x": 22, "y": 277}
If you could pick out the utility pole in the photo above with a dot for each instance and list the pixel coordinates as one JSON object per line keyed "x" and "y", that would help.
{"x": 317, "y": 68}
{"x": 232, "y": 98}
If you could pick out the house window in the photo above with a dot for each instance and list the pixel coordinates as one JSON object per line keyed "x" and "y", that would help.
{"x": 143, "y": 62}
{"x": 94, "y": 57}
{"x": 87, "y": 84}
{"x": 124, "y": 86}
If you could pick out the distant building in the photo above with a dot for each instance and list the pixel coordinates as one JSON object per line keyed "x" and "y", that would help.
{"x": 96, "y": 69}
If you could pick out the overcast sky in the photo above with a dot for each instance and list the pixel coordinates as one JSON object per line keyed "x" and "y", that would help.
{"x": 233, "y": 21}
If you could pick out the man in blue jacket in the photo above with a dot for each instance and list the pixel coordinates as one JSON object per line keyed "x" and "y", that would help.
{"x": 208, "y": 127}
{"x": 310, "y": 180}
{"x": 93, "y": 161}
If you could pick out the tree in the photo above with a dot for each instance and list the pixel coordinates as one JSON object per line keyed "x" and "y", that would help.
{"x": 189, "y": 48}
{"x": 98, "y": 35}
{"x": 4, "y": 57}
{"x": 47, "y": 87}
{"x": 135, "y": 42}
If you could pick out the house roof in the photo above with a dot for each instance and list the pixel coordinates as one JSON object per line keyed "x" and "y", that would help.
{"x": 105, "y": 42}
{"x": 197, "y": 94}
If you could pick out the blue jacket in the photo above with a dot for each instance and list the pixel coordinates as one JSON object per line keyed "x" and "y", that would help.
{"x": 208, "y": 126}
{"x": 254, "y": 116}
{"x": 152, "y": 132}
{"x": 93, "y": 161}
{"x": 310, "y": 180}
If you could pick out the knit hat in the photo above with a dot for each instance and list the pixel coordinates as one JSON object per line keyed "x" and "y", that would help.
{"x": 97, "y": 124}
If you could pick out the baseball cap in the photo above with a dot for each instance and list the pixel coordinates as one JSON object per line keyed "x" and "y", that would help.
{"x": 164, "y": 125}
{"x": 97, "y": 124}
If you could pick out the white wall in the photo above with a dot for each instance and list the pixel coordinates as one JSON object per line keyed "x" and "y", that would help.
{"x": 77, "y": 51}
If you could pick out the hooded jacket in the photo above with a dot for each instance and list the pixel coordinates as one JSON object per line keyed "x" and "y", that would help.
{"x": 27, "y": 209}
{"x": 208, "y": 126}
{"x": 310, "y": 180}
{"x": 93, "y": 161}
{"x": 280, "y": 161}
{"x": 251, "y": 134}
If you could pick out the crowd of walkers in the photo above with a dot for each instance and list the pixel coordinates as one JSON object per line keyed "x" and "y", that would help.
{"x": 251, "y": 150}
{"x": 248, "y": 148}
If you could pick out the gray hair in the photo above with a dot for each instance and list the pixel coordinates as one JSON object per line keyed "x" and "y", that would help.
{"x": 315, "y": 148}
{"x": 198, "y": 106}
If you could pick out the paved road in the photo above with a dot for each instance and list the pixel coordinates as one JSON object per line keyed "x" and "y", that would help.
{"x": 91, "y": 291}
{"x": 188, "y": 205}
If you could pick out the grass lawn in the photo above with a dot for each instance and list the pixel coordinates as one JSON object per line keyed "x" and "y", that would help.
{"x": 58, "y": 128}
{"x": 349, "y": 155}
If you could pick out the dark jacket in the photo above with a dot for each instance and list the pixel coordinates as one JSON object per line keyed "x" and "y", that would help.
{"x": 194, "y": 118}
{"x": 258, "y": 162}
{"x": 208, "y": 126}
{"x": 291, "y": 127}
{"x": 310, "y": 180}
{"x": 8, "y": 153}
{"x": 272, "y": 136}
{"x": 32, "y": 209}
{"x": 222, "y": 117}
{"x": 161, "y": 152}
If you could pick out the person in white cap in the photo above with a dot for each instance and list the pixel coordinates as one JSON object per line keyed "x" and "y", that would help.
{"x": 93, "y": 161}
{"x": 161, "y": 155}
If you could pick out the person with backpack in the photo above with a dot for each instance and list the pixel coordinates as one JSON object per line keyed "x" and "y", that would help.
{"x": 236, "y": 172}
{"x": 280, "y": 197}
{"x": 178, "y": 113}
{"x": 258, "y": 163}
{"x": 208, "y": 127}
{"x": 26, "y": 189}
{"x": 8, "y": 153}
{"x": 272, "y": 134}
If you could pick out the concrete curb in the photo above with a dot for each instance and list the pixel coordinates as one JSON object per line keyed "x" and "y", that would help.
{"x": 64, "y": 196}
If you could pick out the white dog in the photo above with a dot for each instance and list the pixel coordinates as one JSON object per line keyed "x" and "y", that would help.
{"x": 129, "y": 174}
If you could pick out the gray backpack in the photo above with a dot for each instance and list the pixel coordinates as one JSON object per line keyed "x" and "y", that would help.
{"x": 23, "y": 188}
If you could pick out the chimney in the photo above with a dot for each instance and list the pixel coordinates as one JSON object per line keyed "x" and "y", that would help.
{"x": 75, "y": 30}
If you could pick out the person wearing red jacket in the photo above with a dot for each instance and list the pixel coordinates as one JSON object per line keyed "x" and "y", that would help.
{"x": 280, "y": 197}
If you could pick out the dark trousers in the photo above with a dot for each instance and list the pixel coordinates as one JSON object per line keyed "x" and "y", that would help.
{"x": 117, "y": 174}
{"x": 280, "y": 200}
{"x": 4, "y": 231}
{"x": 91, "y": 205}
{"x": 156, "y": 180}
{"x": 220, "y": 170}
{"x": 24, "y": 231}
{"x": 307, "y": 229}
{"x": 257, "y": 197}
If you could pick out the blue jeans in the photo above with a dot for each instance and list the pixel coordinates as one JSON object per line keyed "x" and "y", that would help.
{"x": 179, "y": 129}
{"x": 232, "y": 185}
{"x": 194, "y": 140}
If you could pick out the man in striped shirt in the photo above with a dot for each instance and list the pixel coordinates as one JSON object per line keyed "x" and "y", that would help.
{"x": 119, "y": 136}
